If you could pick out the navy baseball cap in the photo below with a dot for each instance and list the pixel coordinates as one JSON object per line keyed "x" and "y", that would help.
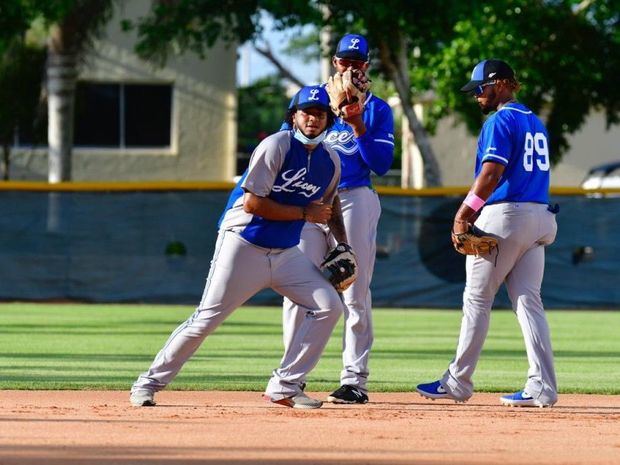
{"x": 311, "y": 96}
{"x": 353, "y": 47}
{"x": 487, "y": 71}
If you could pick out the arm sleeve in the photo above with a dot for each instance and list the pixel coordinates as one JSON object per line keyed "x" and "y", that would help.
{"x": 265, "y": 164}
{"x": 496, "y": 142}
{"x": 377, "y": 144}
{"x": 332, "y": 188}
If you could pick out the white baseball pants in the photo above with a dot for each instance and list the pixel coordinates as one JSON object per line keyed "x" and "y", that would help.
{"x": 523, "y": 230}
{"x": 361, "y": 210}
{"x": 239, "y": 270}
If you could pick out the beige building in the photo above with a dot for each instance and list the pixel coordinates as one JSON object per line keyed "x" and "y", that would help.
{"x": 455, "y": 149}
{"x": 136, "y": 122}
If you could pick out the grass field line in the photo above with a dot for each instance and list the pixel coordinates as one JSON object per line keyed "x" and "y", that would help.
{"x": 99, "y": 346}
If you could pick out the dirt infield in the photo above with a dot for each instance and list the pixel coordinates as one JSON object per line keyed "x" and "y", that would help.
{"x": 100, "y": 428}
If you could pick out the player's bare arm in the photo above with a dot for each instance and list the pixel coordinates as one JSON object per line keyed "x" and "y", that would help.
{"x": 336, "y": 223}
{"x": 315, "y": 212}
{"x": 483, "y": 187}
{"x": 357, "y": 124}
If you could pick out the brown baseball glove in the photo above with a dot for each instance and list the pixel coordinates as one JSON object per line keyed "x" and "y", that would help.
{"x": 473, "y": 242}
{"x": 347, "y": 92}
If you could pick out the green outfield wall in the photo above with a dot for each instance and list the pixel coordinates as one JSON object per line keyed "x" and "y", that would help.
{"x": 152, "y": 242}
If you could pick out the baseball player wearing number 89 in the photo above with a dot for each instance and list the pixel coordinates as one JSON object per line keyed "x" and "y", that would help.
{"x": 510, "y": 194}
{"x": 292, "y": 178}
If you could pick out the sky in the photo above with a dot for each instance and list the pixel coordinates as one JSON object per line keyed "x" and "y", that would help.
{"x": 252, "y": 66}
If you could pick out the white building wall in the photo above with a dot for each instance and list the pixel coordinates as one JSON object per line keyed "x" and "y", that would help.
{"x": 203, "y": 139}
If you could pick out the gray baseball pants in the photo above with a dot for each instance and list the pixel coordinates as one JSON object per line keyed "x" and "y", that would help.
{"x": 523, "y": 230}
{"x": 361, "y": 210}
{"x": 239, "y": 270}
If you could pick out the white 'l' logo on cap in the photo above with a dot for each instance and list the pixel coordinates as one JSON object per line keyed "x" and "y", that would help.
{"x": 492, "y": 74}
{"x": 354, "y": 43}
{"x": 313, "y": 93}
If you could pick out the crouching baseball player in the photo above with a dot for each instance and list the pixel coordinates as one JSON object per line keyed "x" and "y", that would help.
{"x": 512, "y": 184}
{"x": 292, "y": 178}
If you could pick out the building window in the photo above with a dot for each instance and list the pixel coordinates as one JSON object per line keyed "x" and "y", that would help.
{"x": 123, "y": 115}
{"x": 98, "y": 112}
{"x": 111, "y": 115}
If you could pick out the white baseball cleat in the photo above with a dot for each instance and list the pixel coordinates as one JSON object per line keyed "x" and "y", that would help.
{"x": 142, "y": 398}
{"x": 301, "y": 401}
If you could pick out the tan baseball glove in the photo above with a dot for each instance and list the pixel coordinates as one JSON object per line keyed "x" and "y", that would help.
{"x": 347, "y": 92}
{"x": 473, "y": 242}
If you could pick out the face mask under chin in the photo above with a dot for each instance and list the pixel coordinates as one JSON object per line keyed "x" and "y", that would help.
{"x": 307, "y": 140}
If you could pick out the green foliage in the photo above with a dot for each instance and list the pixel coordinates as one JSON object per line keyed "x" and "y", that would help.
{"x": 175, "y": 26}
{"x": 566, "y": 52}
{"x": 305, "y": 45}
{"x": 79, "y": 346}
{"x": 16, "y": 16}
{"x": 384, "y": 89}
{"x": 564, "y": 59}
{"x": 261, "y": 110}
{"x": 14, "y": 22}
{"x": 22, "y": 68}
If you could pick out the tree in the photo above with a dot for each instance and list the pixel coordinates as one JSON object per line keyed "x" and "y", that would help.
{"x": 398, "y": 38}
{"x": 567, "y": 55}
{"x": 564, "y": 50}
{"x": 266, "y": 51}
{"x": 261, "y": 111}
{"x": 72, "y": 26}
{"x": 194, "y": 25}
{"x": 21, "y": 75}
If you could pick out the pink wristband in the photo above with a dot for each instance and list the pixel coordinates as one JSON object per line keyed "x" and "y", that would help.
{"x": 473, "y": 201}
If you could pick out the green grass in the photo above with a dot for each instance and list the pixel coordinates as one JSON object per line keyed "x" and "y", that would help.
{"x": 73, "y": 346}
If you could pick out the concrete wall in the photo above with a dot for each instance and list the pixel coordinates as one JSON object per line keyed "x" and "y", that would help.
{"x": 592, "y": 145}
{"x": 203, "y": 139}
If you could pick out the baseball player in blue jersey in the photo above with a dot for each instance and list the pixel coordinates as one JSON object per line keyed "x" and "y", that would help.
{"x": 510, "y": 195}
{"x": 292, "y": 179}
{"x": 365, "y": 143}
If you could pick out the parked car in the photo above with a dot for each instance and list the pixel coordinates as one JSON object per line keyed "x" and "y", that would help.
{"x": 603, "y": 176}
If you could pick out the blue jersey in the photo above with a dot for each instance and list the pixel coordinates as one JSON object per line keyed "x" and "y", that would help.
{"x": 282, "y": 169}
{"x": 516, "y": 138}
{"x": 374, "y": 150}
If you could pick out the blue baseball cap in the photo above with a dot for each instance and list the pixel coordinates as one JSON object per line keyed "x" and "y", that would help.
{"x": 353, "y": 47}
{"x": 311, "y": 96}
{"x": 487, "y": 71}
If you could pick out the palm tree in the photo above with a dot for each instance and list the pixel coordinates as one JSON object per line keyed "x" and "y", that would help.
{"x": 70, "y": 37}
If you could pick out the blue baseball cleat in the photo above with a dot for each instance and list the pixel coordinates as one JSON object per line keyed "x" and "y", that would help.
{"x": 433, "y": 391}
{"x": 521, "y": 399}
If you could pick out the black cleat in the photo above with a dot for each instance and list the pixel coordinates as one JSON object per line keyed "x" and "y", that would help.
{"x": 347, "y": 394}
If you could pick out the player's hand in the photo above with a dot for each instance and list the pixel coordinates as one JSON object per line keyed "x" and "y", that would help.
{"x": 459, "y": 227}
{"x": 318, "y": 212}
{"x": 347, "y": 93}
{"x": 474, "y": 242}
